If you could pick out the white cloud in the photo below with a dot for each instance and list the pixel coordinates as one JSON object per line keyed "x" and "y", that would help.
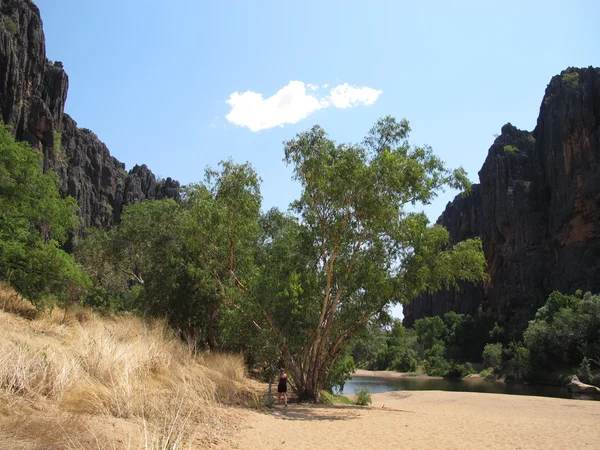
{"x": 346, "y": 96}
{"x": 292, "y": 103}
{"x": 289, "y": 105}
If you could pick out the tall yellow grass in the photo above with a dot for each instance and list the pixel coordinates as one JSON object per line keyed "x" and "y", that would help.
{"x": 118, "y": 367}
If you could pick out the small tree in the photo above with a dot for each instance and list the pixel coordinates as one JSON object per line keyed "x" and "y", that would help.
{"x": 492, "y": 355}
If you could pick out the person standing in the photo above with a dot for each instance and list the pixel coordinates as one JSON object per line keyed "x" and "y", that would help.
{"x": 282, "y": 386}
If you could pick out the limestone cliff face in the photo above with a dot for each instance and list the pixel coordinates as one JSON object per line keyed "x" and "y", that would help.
{"x": 536, "y": 209}
{"x": 33, "y": 92}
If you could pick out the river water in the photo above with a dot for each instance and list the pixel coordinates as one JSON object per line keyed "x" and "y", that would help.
{"x": 377, "y": 385}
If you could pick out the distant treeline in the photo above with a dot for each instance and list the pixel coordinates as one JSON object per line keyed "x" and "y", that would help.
{"x": 561, "y": 340}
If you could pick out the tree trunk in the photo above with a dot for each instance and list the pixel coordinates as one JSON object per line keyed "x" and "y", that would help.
{"x": 310, "y": 391}
{"x": 308, "y": 379}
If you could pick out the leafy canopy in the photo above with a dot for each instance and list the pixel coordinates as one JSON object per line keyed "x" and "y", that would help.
{"x": 352, "y": 247}
{"x": 34, "y": 223}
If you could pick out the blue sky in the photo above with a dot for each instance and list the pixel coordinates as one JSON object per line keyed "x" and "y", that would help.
{"x": 153, "y": 78}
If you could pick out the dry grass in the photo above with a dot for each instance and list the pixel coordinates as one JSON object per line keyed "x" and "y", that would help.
{"x": 13, "y": 303}
{"x": 71, "y": 374}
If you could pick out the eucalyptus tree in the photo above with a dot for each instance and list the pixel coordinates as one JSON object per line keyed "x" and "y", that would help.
{"x": 354, "y": 244}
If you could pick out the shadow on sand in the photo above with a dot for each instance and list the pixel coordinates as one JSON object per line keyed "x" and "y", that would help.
{"x": 299, "y": 411}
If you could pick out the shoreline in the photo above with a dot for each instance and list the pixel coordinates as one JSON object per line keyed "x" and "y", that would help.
{"x": 425, "y": 420}
{"x": 391, "y": 375}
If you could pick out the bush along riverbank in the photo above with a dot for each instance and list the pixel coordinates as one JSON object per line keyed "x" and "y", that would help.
{"x": 560, "y": 341}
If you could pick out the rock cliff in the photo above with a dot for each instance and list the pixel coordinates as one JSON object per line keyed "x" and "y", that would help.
{"x": 536, "y": 209}
{"x": 33, "y": 92}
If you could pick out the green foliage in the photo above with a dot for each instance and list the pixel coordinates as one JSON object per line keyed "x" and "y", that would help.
{"x": 342, "y": 400}
{"x": 441, "y": 345}
{"x": 571, "y": 78}
{"x": 184, "y": 260}
{"x": 363, "y": 397}
{"x": 493, "y": 355}
{"x": 430, "y": 331}
{"x": 11, "y": 26}
{"x": 435, "y": 363}
{"x": 294, "y": 286}
{"x": 486, "y": 372}
{"x": 469, "y": 369}
{"x": 456, "y": 370}
{"x": 328, "y": 270}
{"x": 405, "y": 360}
{"x": 565, "y": 330}
{"x": 34, "y": 223}
{"x": 550, "y": 98}
{"x": 341, "y": 371}
{"x": 367, "y": 344}
{"x": 57, "y": 143}
{"x": 557, "y": 302}
{"x": 518, "y": 361}
{"x": 511, "y": 149}
{"x": 326, "y": 398}
{"x": 585, "y": 372}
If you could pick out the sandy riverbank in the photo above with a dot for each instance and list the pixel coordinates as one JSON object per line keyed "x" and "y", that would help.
{"x": 387, "y": 374}
{"x": 427, "y": 420}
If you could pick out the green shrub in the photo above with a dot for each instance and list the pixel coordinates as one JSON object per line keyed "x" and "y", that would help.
{"x": 455, "y": 371}
{"x": 469, "y": 369}
{"x": 341, "y": 372}
{"x": 363, "y": 397}
{"x": 511, "y": 149}
{"x": 564, "y": 331}
{"x": 486, "y": 372}
{"x": 459, "y": 370}
{"x": 492, "y": 355}
{"x": 435, "y": 363}
{"x": 326, "y": 398}
{"x": 11, "y": 26}
{"x": 405, "y": 361}
{"x": 550, "y": 98}
{"x": 571, "y": 78}
{"x": 518, "y": 364}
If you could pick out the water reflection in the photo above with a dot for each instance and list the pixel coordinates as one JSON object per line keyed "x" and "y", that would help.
{"x": 378, "y": 385}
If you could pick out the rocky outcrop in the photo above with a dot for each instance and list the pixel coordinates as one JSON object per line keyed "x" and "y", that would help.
{"x": 536, "y": 209}
{"x": 33, "y": 92}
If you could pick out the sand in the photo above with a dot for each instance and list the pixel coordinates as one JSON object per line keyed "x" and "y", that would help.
{"x": 420, "y": 420}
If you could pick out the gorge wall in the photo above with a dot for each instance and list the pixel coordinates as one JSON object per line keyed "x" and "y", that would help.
{"x": 33, "y": 92}
{"x": 536, "y": 209}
